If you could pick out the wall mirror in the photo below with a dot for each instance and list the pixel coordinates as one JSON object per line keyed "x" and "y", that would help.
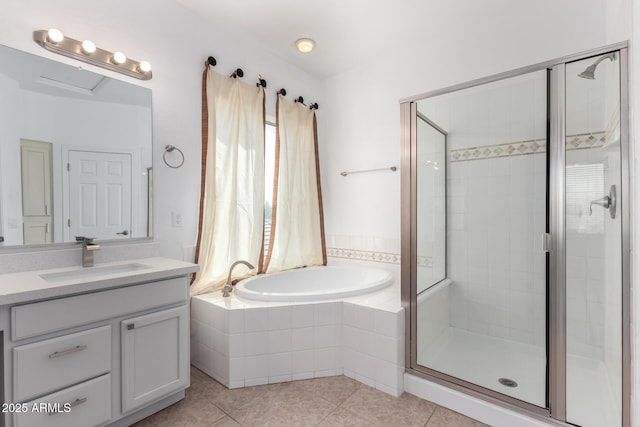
{"x": 75, "y": 153}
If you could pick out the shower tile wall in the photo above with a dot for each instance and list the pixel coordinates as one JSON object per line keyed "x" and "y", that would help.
{"x": 585, "y": 255}
{"x": 496, "y": 207}
{"x": 495, "y": 260}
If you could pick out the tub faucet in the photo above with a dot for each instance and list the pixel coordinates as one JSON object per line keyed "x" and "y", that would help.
{"x": 88, "y": 246}
{"x": 227, "y": 287}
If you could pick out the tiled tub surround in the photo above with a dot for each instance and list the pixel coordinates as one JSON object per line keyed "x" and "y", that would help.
{"x": 244, "y": 343}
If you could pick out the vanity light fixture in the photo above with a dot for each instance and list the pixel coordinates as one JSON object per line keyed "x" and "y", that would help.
{"x": 305, "y": 45}
{"x": 54, "y": 36}
{"x": 144, "y": 67}
{"x": 54, "y": 41}
{"x": 119, "y": 58}
{"x": 88, "y": 47}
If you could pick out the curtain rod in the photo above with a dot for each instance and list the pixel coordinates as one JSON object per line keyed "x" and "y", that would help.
{"x": 211, "y": 61}
{"x": 236, "y": 73}
{"x": 313, "y": 106}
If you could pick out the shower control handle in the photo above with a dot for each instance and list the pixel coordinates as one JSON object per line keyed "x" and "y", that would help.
{"x": 607, "y": 202}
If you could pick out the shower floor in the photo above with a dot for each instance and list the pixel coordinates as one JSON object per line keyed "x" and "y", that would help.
{"x": 482, "y": 360}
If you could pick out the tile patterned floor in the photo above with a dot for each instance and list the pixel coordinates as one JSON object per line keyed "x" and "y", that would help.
{"x": 331, "y": 401}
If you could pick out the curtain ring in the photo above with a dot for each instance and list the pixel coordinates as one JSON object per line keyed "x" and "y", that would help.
{"x": 169, "y": 149}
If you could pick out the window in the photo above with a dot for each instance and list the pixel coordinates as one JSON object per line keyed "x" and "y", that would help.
{"x": 584, "y": 183}
{"x": 269, "y": 166}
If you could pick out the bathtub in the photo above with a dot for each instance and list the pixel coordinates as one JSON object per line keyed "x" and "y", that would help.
{"x": 316, "y": 332}
{"x": 314, "y": 284}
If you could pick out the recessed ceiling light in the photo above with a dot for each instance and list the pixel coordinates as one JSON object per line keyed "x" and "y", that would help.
{"x": 305, "y": 45}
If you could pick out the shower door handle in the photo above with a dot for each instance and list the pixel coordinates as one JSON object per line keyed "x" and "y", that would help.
{"x": 607, "y": 202}
{"x": 546, "y": 242}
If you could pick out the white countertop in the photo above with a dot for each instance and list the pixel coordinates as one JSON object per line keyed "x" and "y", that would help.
{"x": 30, "y": 286}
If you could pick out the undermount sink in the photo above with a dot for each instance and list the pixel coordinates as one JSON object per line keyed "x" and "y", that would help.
{"x": 92, "y": 272}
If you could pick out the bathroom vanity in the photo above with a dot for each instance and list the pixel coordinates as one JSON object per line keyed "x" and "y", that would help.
{"x": 106, "y": 345}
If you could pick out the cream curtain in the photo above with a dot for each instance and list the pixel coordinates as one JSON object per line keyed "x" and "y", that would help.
{"x": 297, "y": 225}
{"x": 232, "y": 200}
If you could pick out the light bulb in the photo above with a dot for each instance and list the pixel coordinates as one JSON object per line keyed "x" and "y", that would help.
{"x": 144, "y": 67}
{"x": 88, "y": 47}
{"x": 305, "y": 45}
{"x": 55, "y": 36}
{"x": 119, "y": 58}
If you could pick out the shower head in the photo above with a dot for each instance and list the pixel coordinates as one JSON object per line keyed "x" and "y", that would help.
{"x": 589, "y": 72}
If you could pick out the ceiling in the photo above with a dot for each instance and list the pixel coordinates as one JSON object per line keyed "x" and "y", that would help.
{"x": 347, "y": 32}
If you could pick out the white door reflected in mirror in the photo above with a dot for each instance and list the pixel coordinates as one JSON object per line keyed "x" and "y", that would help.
{"x": 99, "y": 195}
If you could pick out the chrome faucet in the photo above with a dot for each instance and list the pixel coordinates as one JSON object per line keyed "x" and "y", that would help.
{"x": 227, "y": 287}
{"x": 88, "y": 246}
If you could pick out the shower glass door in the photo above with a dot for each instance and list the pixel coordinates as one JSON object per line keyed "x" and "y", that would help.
{"x": 480, "y": 174}
{"x": 593, "y": 224}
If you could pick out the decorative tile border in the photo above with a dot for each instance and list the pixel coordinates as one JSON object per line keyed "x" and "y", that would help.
{"x": 372, "y": 256}
{"x": 517, "y": 148}
{"x": 586, "y": 140}
{"x": 388, "y": 258}
{"x": 520, "y": 148}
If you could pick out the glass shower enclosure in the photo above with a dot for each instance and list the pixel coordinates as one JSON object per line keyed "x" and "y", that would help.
{"x": 515, "y": 233}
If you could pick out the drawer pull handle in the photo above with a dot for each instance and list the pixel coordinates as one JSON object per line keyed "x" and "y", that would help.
{"x": 68, "y": 351}
{"x": 70, "y": 405}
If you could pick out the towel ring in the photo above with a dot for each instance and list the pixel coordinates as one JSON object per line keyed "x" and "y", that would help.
{"x": 169, "y": 149}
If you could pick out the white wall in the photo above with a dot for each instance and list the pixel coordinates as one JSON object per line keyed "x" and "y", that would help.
{"x": 176, "y": 42}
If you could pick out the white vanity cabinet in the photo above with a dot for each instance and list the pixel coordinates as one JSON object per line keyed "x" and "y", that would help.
{"x": 106, "y": 357}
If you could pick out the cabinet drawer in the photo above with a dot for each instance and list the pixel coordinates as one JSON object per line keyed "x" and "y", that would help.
{"x": 50, "y": 365}
{"x": 83, "y": 405}
{"x": 54, "y": 315}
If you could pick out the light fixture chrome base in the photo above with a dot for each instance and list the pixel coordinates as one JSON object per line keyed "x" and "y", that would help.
{"x": 100, "y": 58}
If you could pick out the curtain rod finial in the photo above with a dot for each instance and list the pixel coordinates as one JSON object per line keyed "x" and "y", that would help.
{"x": 212, "y": 61}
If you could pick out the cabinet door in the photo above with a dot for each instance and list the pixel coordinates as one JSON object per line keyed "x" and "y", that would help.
{"x": 155, "y": 356}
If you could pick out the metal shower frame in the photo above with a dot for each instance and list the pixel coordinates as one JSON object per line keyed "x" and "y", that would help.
{"x": 556, "y": 263}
